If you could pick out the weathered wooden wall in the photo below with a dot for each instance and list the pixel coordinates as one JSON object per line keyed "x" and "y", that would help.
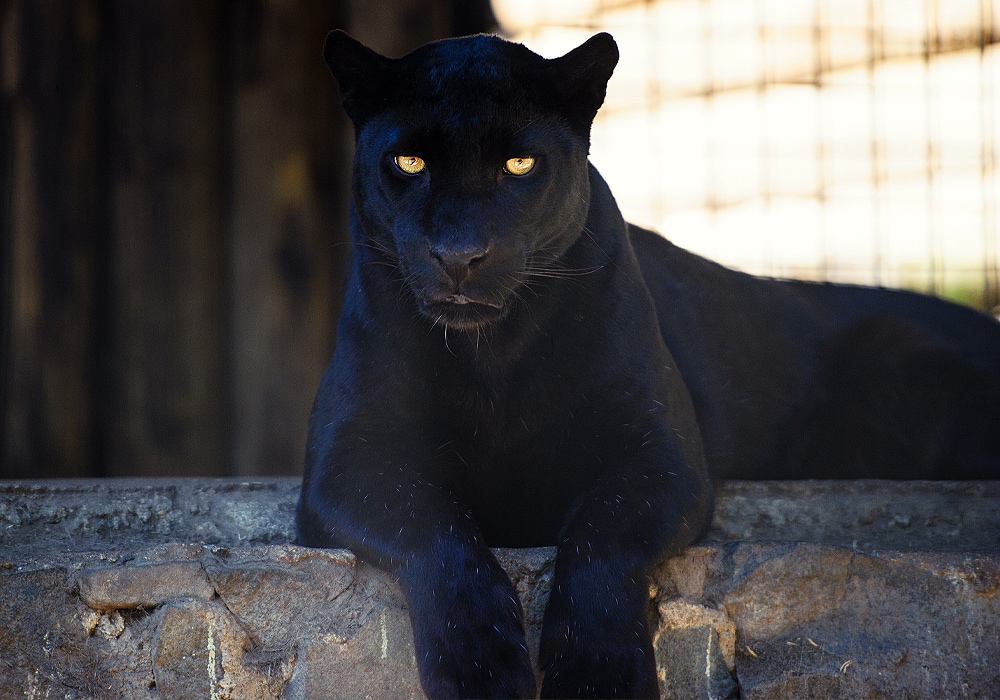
{"x": 174, "y": 181}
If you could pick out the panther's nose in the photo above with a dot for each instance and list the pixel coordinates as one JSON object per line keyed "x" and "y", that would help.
{"x": 458, "y": 262}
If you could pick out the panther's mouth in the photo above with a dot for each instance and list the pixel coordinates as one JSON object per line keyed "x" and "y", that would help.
{"x": 462, "y": 300}
{"x": 461, "y": 311}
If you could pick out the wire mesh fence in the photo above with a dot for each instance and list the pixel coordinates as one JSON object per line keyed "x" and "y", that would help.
{"x": 843, "y": 140}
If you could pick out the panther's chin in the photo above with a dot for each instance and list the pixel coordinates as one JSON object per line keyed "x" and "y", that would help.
{"x": 460, "y": 311}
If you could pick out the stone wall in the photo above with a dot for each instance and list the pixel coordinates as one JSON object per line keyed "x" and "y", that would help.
{"x": 189, "y": 589}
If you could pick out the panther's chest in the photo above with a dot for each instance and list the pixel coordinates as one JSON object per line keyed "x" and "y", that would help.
{"x": 517, "y": 460}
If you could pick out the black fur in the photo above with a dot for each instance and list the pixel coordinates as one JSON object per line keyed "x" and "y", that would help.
{"x": 502, "y": 376}
{"x": 794, "y": 380}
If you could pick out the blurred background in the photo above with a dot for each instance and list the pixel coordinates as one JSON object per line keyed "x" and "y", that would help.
{"x": 174, "y": 182}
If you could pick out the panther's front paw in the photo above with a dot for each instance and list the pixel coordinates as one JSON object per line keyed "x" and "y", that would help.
{"x": 469, "y": 638}
{"x": 597, "y": 652}
{"x": 617, "y": 673}
{"x": 479, "y": 663}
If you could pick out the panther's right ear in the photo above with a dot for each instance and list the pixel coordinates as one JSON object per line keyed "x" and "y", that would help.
{"x": 582, "y": 75}
{"x": 360, "y": 72}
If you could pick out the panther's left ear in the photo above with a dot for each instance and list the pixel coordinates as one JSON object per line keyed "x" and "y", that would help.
{"x": 359, "y": 71}
{"x": 582, "y": 75}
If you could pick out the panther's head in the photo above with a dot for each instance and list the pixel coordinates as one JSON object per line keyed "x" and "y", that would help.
{"x": 470, "y": 167}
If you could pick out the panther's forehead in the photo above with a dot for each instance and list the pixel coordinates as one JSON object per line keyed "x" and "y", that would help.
{"x": 470, "y": 68}
{"x": 468, "y": 61}
{"x": 467, "y": 88}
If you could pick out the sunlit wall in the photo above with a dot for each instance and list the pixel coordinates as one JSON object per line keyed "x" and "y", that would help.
{"x": 852, "y": 140}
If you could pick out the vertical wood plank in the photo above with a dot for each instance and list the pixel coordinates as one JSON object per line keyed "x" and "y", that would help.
{"x": 290, "y": 166}
{"x": 48, "y": 218}
{"x": 167, "y": 220}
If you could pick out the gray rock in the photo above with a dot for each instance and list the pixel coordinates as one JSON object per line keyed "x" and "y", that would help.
{"x": 933, "y": 516}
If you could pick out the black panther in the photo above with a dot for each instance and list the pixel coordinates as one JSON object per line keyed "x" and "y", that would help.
{"x": 516, "y": 366}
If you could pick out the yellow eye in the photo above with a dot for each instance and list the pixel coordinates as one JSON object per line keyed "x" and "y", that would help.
{"x": 519, "y": 166}
{"x": 411, "y": 165}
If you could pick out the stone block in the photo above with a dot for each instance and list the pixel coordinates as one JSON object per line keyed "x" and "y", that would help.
{"x": 839, "y": 623}
{"x": 691, "y": 666}
{"x": 787, "y": 590}
{"x": 143, "y": 586}
{"x": 283, "y": 593}
{"x": 200, "y": 651}
{"x": 378, "y": 662}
